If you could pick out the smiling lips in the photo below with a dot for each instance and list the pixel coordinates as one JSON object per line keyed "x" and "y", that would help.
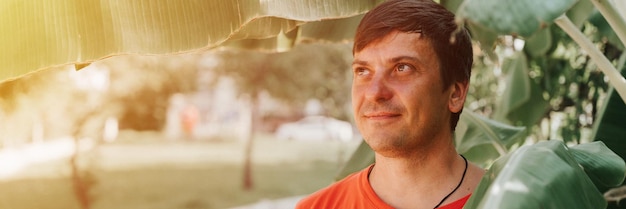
{"x": 381, "y": 115}
{"x": 380, "y": 111}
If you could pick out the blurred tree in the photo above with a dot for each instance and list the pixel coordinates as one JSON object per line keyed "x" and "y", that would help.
{"x": 144, "y": 84}
{"x": 307, "y": 71}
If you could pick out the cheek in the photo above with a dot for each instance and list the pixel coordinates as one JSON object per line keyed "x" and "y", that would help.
{"x": 357, "y": 91}
{"x": 356, "y": 101}
{"x": 412, "y": 96}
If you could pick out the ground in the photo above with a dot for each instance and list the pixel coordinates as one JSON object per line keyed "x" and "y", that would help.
{"x": 144, "y": 170}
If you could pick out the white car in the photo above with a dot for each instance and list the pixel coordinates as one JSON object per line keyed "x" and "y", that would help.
{"x": 316, "y": 128}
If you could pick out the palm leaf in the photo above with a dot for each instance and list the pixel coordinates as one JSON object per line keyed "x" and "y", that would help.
{"x": 611, "y": 129}
{"x": 512, "y": 16}
{"x": 549, "y": 175}
{"x": 482, "y": 140}
{"x": 40, "y": 34}
{"x": 522, "y": 102}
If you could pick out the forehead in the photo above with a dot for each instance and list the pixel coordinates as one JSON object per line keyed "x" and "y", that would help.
{"x": 399, "y": 44}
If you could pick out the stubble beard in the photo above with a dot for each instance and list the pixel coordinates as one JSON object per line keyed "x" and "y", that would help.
{"x": 403, "y": 141}
{"x": 389, "y": 146}
{"x": 386, "y": 140}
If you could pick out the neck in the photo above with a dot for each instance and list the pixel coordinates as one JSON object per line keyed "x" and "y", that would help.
{"x": 420, "y": 167}
{"x": 422, "y": 178}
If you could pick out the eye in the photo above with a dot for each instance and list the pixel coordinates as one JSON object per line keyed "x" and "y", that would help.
{"x": 361, "y": 71}
{"x": 403, "y": 68}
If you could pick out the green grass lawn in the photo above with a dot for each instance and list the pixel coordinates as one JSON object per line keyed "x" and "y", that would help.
{"x": 158, "y": 174}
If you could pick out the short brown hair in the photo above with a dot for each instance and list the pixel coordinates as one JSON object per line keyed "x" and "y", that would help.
{"x": 452, "y": 44}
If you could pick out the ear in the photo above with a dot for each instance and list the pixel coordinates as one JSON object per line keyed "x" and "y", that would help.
{"x": 457, "y": 96}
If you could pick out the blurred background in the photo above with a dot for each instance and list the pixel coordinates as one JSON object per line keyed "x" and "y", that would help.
{"x": 249, "y": 121}
{"x": 217, "y": 129}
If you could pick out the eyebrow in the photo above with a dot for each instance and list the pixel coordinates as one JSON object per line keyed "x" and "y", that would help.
{"x": 400, "y": 58}
{"x": 359, "y": 62}
{"x": 392, "y": 60}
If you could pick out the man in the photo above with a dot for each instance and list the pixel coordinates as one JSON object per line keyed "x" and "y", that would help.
{"x": 411, "y": 71}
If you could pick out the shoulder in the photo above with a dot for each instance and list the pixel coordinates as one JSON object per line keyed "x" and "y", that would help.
{"x": 335, "y": 195}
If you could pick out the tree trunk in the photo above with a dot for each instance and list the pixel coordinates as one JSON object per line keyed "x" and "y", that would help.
{"x": 248, "y": 183}
{"x": 79, "y": 182}
{"x": 81, "y": 188}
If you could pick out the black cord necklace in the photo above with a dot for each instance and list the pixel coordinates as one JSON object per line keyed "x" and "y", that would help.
{"x": 457, "y": 186}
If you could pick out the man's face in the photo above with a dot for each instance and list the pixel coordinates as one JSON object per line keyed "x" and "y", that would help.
{"x": 398, "y": 98}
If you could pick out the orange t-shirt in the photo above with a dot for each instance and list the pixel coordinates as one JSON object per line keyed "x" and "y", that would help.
{"x": 354, "y": 191}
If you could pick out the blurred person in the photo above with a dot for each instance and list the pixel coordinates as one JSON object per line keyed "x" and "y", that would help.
{"x": 189, "y": 119}
{"x": 411, "y": 71}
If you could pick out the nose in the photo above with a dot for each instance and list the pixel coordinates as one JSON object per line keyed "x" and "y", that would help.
{"x": 378, "y": 90}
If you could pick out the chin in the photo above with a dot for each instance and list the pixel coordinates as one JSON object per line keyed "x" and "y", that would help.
{"x": 384, "y": 143}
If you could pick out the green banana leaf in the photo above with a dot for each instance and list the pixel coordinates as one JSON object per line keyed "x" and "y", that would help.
{"x": 580, "y": 12}
{"x": 611, "y": 129}
{"x": 513, "y": 16}
{"x": 39, "y": 34}
{"x": 482, "y": 140}
{"x": 476, "y": 137}
{"x": 485, "y": 36}
{"x": 539, "y": 43}
{"x": 522, "y": 102}
{"x": 605, "y": 30}
{"x": 549, "y": 175}
{"x": 451, "y": 5}
{"x": 362, "y": 157}
{"x": 333, "y": 31}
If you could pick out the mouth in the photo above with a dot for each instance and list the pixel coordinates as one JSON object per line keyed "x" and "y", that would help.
{"x": 381, "y": 115}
